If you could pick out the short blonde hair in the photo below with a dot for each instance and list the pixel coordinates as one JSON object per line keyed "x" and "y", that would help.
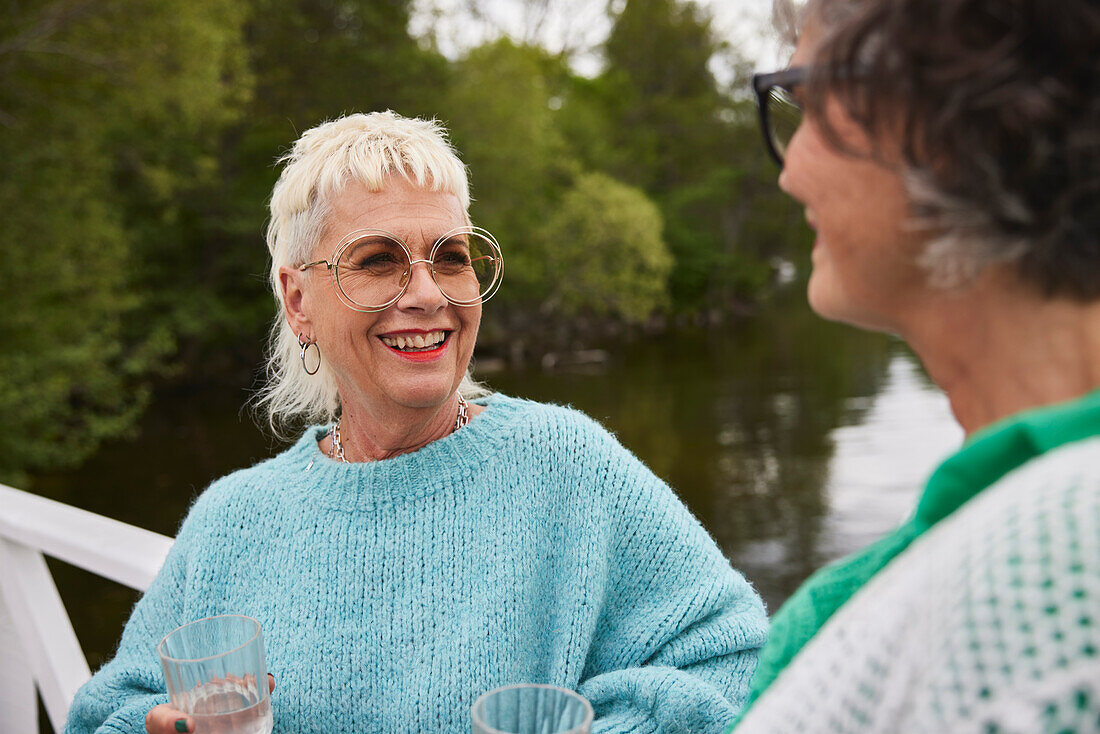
{"x": 366, "y": 148}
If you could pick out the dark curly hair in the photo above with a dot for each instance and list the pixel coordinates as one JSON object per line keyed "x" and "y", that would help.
{"x": 998, "y": 105}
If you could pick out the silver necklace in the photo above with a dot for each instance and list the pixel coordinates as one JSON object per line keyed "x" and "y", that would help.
{"x": 336, "y": 451}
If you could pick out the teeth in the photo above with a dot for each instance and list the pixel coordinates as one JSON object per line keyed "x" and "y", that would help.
{"x": 414, "y": 341}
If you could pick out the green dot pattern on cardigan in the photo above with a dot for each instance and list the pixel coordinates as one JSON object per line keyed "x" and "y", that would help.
{"x": 988, "y": 622}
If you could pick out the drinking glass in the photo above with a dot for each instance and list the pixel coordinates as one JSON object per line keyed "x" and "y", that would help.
{"x": 215, "y": 671}
{"x": 532, "y": 709}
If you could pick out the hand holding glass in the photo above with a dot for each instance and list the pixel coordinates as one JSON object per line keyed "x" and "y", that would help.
{"x": 532, "y": 709}
{"x": 215, "y": 672}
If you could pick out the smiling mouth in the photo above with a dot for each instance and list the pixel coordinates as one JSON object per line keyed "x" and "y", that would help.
{"x": 412, "y": 343}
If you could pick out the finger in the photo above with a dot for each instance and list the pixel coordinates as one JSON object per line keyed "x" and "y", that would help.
{"x": 270, "y": 683}
{"x": 164, "y": 719}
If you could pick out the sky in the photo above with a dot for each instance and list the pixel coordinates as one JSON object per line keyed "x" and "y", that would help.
{"x": 747, "y": 25}
{"x": 583, "y": 24}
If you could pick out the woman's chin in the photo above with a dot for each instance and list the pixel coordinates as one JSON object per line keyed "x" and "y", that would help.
{"x": 829, "y": 302}
{"x": 822, "y": 297}
{"x": 832, "y": 305}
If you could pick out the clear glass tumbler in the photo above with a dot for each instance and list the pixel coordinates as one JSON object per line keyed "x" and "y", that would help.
{"x": 215, "y": 671}
{"x": 532, "y": 709}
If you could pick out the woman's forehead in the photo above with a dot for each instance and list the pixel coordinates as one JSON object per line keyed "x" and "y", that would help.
{"x": 411, "y": 213}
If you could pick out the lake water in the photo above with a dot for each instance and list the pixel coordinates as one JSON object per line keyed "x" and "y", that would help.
{"x": 793, "y": 440}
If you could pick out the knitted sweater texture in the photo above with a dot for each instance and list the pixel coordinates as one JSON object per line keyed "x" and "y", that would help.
{"x": 529, "y": 546}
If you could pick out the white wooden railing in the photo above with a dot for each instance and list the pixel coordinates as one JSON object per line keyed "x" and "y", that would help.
{"x": 38, "y": 648}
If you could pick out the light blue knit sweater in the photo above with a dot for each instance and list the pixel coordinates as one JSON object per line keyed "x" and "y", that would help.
{"x": 529, "y": 546}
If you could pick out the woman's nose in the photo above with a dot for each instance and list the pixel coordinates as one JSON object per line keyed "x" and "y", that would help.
{"x": 422, "y": 292}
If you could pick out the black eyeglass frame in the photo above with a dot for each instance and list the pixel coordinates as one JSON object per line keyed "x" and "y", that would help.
{"x": 762, "y": 85}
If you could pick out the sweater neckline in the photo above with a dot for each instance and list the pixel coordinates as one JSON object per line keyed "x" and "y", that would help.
{"x": 419, "y": 473}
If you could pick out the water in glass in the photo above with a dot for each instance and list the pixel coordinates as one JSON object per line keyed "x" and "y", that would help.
{"x": 222, "y": 707}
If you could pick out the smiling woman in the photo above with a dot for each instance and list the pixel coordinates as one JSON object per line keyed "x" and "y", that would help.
{"x": 428, "y": 540}
{"x": 946, "y": 153}
{"x": 397, "y": 391}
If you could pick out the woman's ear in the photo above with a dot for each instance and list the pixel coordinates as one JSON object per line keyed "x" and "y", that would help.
{"x": 295, "y": 300}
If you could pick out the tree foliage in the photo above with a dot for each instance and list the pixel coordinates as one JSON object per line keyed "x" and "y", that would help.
{"x": 498, "y": 111}
{"x": 92, "y": 114}
{"x": 686, "y": 142}
{"x": 606, "y": 250}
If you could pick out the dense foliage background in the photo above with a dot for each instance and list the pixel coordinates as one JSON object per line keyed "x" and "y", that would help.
{"x": 136, "y": 157}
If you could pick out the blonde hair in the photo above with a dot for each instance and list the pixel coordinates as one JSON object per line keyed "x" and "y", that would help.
{"x": 366, "y": 148}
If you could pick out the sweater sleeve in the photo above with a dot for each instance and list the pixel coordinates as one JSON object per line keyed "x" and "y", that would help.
{"x": 116, "y": 699}
{"x": 680, "y": 631}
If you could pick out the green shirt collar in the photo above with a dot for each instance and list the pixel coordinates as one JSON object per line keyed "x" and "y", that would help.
{"x": 999, "y": 448}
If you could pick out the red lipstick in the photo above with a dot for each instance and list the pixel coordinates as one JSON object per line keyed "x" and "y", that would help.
{"x": 427, "y": 355}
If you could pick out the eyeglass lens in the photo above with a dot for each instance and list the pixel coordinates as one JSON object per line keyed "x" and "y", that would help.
{"x": 784, "y": 116}
{"x": 372, "y": 270}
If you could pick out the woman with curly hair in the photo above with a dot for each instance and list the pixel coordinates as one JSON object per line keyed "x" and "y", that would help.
{"x": 947, "y": 153}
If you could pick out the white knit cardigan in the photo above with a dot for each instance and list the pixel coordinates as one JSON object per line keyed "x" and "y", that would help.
{"x": 988, "y": 623}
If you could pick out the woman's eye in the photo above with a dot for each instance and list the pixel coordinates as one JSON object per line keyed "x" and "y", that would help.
{"x": 452, "y": 258}
{"x": 374, "y": 261}
{"x": 380, "y": 259}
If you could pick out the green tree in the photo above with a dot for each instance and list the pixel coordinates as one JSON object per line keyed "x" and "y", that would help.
{"x": 92, "y": 110}
{"x": 317, "y": 59}
{"x": 498, "y": 112}
{"x": 669, "y": 128}
{"x": 663, "y": 98}
{"x": 607, "y": 253}
{"x": 575, "y": 242}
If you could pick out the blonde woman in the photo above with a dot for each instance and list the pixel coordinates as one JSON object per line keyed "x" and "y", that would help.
{"x": 427, "y": 541}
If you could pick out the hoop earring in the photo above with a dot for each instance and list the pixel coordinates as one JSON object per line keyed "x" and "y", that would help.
{"x": 305, "y": 343}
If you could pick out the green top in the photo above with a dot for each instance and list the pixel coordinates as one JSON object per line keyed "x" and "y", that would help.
{"x": 987, "y": 456}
